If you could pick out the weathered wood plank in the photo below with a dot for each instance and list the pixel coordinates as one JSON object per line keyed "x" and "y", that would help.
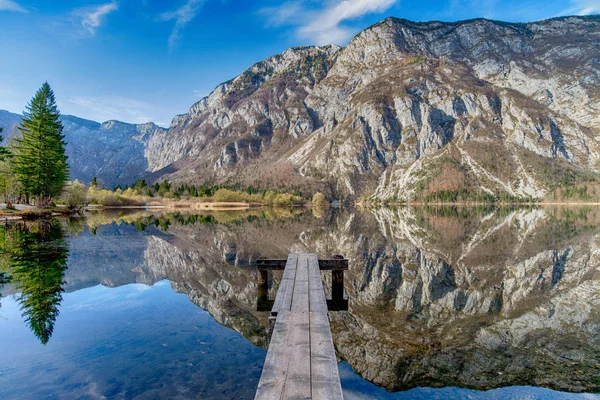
{"x": 283, "y": 299}
{"x": 317, "y": 299}
{"x": 275, "y": 369}
{"x": 325, "y": 379}
{"x": 264, "y": 264}
{"x": 335, "y": 265}
{"x": 324, "y": 265}
{"x": 301, "y": 362}
{"x": 300, "y": 297}
{"x": 298, "y": 385}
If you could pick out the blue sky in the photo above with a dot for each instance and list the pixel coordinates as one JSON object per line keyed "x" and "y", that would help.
{"x": 141, "y": 60}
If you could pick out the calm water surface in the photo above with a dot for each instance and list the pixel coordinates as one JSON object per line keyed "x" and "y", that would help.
{"x": 443, "y": 303}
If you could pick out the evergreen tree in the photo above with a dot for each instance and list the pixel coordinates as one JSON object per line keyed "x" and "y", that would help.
{"x": 40, "y": 163}
{"x": 94, "y": 182}
{"x": 140, "y": 185}
{"x": 4, "y": 153}
{"x": 37, "y": 262}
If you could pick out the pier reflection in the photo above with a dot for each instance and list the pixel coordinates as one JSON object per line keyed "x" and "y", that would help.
{"x": 266, "y": 282}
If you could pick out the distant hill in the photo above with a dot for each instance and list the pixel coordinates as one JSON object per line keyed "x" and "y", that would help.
{"x": 112, "y": 151}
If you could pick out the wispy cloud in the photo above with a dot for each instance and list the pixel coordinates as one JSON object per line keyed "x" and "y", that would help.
{"x": 93, "y": 17}
{"x": 324, "y": 25}
{"x": 10, "y": 5}
{"x": 582, "y": 7}
{"x": 104, "y": 108}
{"x": 283, "y": 14}
{"x": 182, "y": 16}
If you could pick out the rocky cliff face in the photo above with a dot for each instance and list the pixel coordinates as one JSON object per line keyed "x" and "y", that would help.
{"x": 113, "y": 151}
{"x": 405, "y": 110}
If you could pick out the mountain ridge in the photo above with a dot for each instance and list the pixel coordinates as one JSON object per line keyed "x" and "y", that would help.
{"x": 112, "y": 151}
{"x": 406, "y": 111}
{"x": 489, "y": 71}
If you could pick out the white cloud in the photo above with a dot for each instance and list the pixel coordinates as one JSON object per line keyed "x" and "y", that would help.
{"x": 182, "y": 16}
{"x": 10, "y": 5}
{"x": 93, "y": 17}
{"x": 582, "y": 7}
{"x": 281, "y": 15}
{"x": 324, "y": 25}
{"x": 105, "y": 108}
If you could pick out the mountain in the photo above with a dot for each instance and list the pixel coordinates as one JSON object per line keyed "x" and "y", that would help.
{"x": 404, "y": 111}
{"x": 407, "y": 110}
{"x": 113, "y": 151}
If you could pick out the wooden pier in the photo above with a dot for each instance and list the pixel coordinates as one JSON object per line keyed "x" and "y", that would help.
{"x": 301, "y": 361}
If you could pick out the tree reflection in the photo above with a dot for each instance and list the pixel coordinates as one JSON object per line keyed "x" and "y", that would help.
{"x": 36, "y": 260}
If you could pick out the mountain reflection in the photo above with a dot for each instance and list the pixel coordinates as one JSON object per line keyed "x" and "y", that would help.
{"x": 469, "y": 297}
{"x": 35, "y": 258}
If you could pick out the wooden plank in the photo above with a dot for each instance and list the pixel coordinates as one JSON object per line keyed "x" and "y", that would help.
{"x": 270, "y": 264}
{"x": 283, "y": 299}
{"x": 298, "y": 384}
{"x": 324, "y": 265}
{"x": 335, "y": 265}
{"x": 317, "y": 299}
{"x": 300, "y": 296}
{"x": 301, "y": 361}
{"x": 325, "y": 380}
{"x": 274, "y": 373}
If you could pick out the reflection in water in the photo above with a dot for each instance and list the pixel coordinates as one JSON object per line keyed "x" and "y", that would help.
{"x": 476, "y": 298}
{"x": 266, "y": 279}
{"x": 36, "y": 259}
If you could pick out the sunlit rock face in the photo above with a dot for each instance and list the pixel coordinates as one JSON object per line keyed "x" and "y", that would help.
{"x": 405, "y": 110}
{"x": 485, "y": 106}
{"x": 438, "y": 297}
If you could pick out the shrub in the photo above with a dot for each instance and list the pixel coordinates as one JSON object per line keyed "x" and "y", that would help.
{"x": 228, "y": 196}
{"x": 107, "y": 198}
{"x": 74, "y": 195}
{"x": 319, "y": 200}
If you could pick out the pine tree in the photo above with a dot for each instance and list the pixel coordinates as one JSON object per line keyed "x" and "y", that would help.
{"x": 40, "y": 163}
{"x": 94, "y": 182}
{"x": 4, "y": 153}
{"x": 37, "y": 261}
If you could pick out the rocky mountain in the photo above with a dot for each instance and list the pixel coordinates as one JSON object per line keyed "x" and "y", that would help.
{"x": 404, "y": 111}
{"x": 113, "y": 151}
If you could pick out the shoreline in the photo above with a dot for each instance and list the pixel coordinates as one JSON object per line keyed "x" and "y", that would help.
{"x": 20, "y": 213}
{"x": 241, "y": 206}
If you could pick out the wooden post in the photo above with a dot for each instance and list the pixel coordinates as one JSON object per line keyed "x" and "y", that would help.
{"x": 263, "y": 302}
{"x": 337, "y": 285}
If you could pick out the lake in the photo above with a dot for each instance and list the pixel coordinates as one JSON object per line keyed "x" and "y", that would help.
{"x": 443, "y": 303}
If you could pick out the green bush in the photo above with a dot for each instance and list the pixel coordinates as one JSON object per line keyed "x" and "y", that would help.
{"x": 229, "y": 196}
{"x": 74, "y": 195}
{"x": 318, "y": 199}
{"x": 109, "y": 199}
